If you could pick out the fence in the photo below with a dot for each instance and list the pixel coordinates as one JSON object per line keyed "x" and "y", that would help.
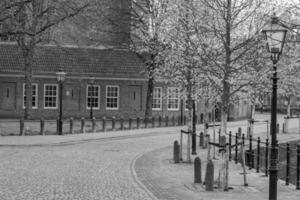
{"x": 258, "y": 152}
{"x": 71, "y": 126}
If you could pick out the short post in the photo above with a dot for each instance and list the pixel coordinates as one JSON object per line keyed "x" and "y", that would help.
{"x": 138, "y": 122}
{"x": 176, "y": 152}
{"x": 236, "y": 147}
{"x": 239, "y": 131}
{"x": 159, "y": 121}
{"x": 146, "y": 122}
{"x": 209, "y": 176}
{"x": 113, "y": 123}
{"x": 122, "y": 124}
{"x": 230, "y": 135}
{"x": 129, "y": 123}
{"x": 267, "y": 158}
{"x": 298, "y": 168}
{"x": 197, "y": 170}
{"x": 167, "y": 121}
{"x": 258, "y": 155}
{"x": 22, "y": 127}
{"x": 104, "y": 124}
{"x": 42, "y": 130}
{"x": 287, "y": 174}
{"x": 283, "y": 129}
{"x": 93, "y": 124}
{"x": 153, "y": 122}
{"x": 82, "y": 125}
{"x": 201, "y": 140}
{"x": 250, "y": 153}
{"x": 173, "y": 120}
{"x": 71, "y": 125}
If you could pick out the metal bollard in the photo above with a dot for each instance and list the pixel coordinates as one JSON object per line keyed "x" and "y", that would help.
{"x": 230, "y": 135}
{"x": 159, "y": 121}
{"x": 103, "y": 124}
{"x": 267, "y": 158}
{"x": 122, "y": 124}
{"x": 138, "y": 122}
{"x": 71, "y": 125}
{"x": 239, "y": 131}
{"x": 258, "y": 155}
{"x": 42, "y": 130}
{"x": 93, "y": 125}
{"x": 298, "y": 168}
{"x": 287, "y": 174}
{"x": 22, "y": 127}
{"x": 82, "y": 125}
{"x": 250, "y": 155}
{"x": 209, "y": 176}
{"x": 129, "y": 123}
{"x": 153, "y": 122}
{"x": 197, "y": 170}
{"x": 113, "y": 123}
{"x": 176, "y": 152}
{"x": 236, "y": 147}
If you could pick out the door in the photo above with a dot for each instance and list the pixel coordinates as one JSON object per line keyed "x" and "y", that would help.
{"x": 7, "y": 96}
{"x": 135, "y": 98}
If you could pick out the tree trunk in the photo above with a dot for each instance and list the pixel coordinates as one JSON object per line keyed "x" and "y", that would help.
{"x": 149, "y": 99}
{"x": 205, "y": 118}
{"x": 288, "y": 107}
{"x": 28, "y": 60}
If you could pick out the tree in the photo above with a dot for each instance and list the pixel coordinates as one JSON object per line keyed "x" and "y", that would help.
{"x": 30, "y": 23}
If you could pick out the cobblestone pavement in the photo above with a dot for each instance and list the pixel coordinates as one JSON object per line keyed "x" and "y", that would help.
{"x": 85, "y": 171}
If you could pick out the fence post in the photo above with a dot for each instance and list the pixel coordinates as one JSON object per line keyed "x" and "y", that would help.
{"x": 267, "y": 157}
{"x": 94, "y": 125}
{"x": 113, "y": 123}
{"x": 236, "y": 147}
{"x": 121, "y": 123}
{"x": 42, "y": 131}
{"x": 283, "y": 129}
{"x": 230, "y": 145}
{"x": 138, "y": 122}
{"x": 71, "y": 126}
{"x": 258, "y": 155}
{"x": 159, "y": 121}
{"x": 173, "y": 120}
{"x": 103, "y": 124}
{"x": 243, "y": 139}
{"x": 239, "y": 131}
{"x": 153, "y": 122}
{"x": 287, "y": 175}
{"x": 250, "y": 153}
{"x": 82, "y": 125}
{"x": 167, "y": 121}
{"x": 129, "y": 123}
{"x": 197, "y": 170}
{"x": 298, "y": 168}
{"x": 146, "y": 122}
{"x": 22, "y": 126}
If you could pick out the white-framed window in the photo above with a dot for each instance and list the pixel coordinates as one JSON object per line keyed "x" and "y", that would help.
{"x": 50, "y": 96}
{"x": 93, "y": 97}
{"x": 34, "y": 96}
{"x": 112, "y": 97}
{"x": 157, "y": 98}
{"x": 173, "y": 98}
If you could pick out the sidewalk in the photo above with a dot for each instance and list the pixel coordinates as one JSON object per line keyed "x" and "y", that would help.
{"x": 73, "y": 138}
{"x": 166, "y": 180}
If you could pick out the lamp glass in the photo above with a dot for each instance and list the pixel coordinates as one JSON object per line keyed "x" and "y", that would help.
{"x": 60, "y": 76}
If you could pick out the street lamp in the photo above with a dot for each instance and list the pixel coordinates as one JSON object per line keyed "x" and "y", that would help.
{"x": 275, "y": 37}
{"x": 91, "y": 82}
{"x": 60, "y": 75}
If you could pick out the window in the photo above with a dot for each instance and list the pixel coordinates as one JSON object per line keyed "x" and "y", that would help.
{"x": 173, "y": 98}
{"x": 50, "y": 96}
{"x": 93, "y": 97}
{"x": 112, "y": 97}
{"x": 157, "y": 98}
{"x": 34, "y": 96}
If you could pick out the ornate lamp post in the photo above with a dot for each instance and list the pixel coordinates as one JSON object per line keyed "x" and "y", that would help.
{"x": 60, "y": 75}
{"x": 275, "y": 36}
{"x": 91, "y": 82}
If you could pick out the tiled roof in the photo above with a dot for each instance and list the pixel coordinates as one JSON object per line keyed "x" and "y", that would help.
{"x": 74, "y": 61}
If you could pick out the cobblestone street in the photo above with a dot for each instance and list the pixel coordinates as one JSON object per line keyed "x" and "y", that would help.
{"x": 91, "y": 170}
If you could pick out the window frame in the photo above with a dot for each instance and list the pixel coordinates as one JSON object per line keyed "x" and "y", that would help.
{"x": 178, "y": 99}
{"x": 160, "y": 99}
{"x": 36, "y": 96}
{"x": 57, "y": 95}
{"x": 87, "y": 91}
{"x": 106, "y": 97}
